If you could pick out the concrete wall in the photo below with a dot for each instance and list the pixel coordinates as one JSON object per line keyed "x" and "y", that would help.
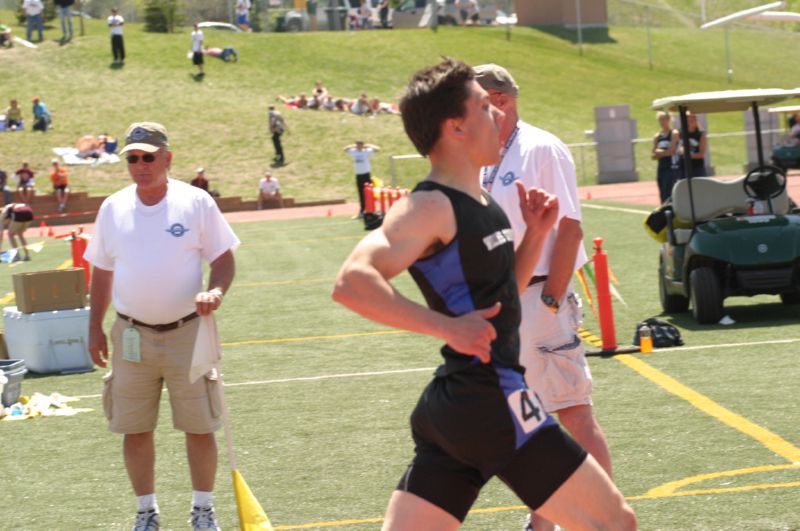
{"x": 561, "y": 12}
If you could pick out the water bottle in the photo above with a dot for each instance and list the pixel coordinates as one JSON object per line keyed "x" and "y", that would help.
{"x": 645, "y": 339}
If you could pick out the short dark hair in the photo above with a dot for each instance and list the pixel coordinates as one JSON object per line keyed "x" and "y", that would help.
{"x": 434, "y": 94}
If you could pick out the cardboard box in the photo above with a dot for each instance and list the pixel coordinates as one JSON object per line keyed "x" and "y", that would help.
{"x": 58, "y": 289}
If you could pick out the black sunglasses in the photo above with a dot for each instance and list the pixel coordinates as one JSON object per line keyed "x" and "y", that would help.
{"x": 147, "y": 157}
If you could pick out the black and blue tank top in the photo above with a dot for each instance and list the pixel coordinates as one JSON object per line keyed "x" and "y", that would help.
{"x": 664, "y": 141}
{"x": 472, "y": 272}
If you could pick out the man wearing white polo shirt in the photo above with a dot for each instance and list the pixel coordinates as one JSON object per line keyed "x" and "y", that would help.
{"x": 147, "y": 250}
{"x": 550, "y": 349}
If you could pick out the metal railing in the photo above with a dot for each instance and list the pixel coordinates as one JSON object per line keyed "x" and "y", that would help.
{"x": 586, "y": 164}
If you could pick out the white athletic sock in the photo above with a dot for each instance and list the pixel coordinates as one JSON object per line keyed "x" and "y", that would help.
{"x": 147, "y": 502}
{"x": 202, "y": 499}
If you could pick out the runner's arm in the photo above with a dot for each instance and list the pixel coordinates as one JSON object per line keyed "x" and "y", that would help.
{"x": 411, "y": 229}
{"x": 539, "y": 211}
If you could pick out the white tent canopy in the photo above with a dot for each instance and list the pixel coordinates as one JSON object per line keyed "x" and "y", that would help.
{"x": 725, "y": 100}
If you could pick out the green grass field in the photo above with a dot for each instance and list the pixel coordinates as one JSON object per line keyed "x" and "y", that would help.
{"x": 320, "y": 400}
{"x": 220, "y": 123}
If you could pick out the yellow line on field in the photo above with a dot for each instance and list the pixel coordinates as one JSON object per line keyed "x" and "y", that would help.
{"x": 698, "y": 492}
{"x": 590, "y": 338}
{"x": 312, "y": 338}
{"x": 285, "y": 282}
{"x": 770, "y": 440}
{"x": 720, "y": 490}
{"x": 65, "y": 264}
{"x": 670, "y": 489}
{"x": 307, "y": 240}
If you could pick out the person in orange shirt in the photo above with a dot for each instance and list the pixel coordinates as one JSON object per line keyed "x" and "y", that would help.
{"x": 59, "y": 179}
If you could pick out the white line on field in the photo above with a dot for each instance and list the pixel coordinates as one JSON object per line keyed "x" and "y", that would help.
{"x": 615, "y": 209}
{"x": 429, "y": 369}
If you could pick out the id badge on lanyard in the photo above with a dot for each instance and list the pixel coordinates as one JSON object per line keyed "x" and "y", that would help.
{"x": 488, "y": 179}
{"x": 131, "y": 345}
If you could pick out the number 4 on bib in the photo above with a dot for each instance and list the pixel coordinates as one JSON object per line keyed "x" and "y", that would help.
{"x": 527, "y": 409}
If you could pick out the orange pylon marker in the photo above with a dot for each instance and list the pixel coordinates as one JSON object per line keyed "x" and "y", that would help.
{"x": 42, "y": 226}
{"x": 50, "y": 232}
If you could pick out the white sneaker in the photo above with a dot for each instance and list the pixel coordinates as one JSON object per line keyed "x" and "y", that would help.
{"x": 147, "y": 521}
{"x": 204, "y": 518}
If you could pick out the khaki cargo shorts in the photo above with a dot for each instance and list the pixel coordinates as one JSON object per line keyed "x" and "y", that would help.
{"x": 18, "y": 227}
{"x": 132, "y": 390}
{"x": 551, "y": 351}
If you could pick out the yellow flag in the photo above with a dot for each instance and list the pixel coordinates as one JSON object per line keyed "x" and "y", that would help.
{"x": 251, "y": 516}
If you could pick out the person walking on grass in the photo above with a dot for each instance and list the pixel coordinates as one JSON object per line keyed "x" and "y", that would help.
{"x": 149, "y": 242}
{"x": 115, "y": 23}
{"x": 361, "y": 153}
{"x": 277, "y": 126}
{"x": 477, "y": 419}
{"x": 197, "y": 50}
{"x": 550, "y": 349}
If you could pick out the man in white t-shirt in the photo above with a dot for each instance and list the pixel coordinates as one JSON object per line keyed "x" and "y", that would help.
{"x": 149, "y": 242}
{"x": 361, "y": 153}
{"x": 115, "y": 23}
{"x": 197, "y": 49}
{"x": 551, "y": 351}
{"x": 269, "y": 190}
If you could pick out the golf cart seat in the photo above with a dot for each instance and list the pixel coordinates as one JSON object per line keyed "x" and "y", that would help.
{"x": 714, "y": 198}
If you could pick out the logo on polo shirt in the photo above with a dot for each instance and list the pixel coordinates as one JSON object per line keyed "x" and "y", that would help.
{"x": 508, "y": 178}
{"x": 177, "y": 230}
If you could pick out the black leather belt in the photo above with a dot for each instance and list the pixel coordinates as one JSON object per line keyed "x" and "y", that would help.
{"x": 537, "y": 280}
{"x": 160, "y": 327}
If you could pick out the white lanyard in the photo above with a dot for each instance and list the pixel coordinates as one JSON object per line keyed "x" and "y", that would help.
{"x": 488, "y": 180}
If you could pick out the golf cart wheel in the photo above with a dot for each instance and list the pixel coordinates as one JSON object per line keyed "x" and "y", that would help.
{"x": 670, "y": 303}
{"x": 790, "y": 298}
{"x": 706, "y": 296}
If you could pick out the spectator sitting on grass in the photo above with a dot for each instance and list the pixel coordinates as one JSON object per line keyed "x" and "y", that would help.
{"x": 5, "y": 36}
{"x": 60, "y": 185}
{"x": 13, "y": 116}
{"x": 360, "y": 106}
{"x": 25, "y": 184}
{"x": 200, "y": 181}
{"x": 90, "y": 146}
{"x": 320, "y": 91}
{"x": 269, "y": 190}
{"x": 41, "y": 116}
{"x": 299, "y": 102}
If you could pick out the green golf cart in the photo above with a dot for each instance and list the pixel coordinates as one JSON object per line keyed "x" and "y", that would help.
{"x": 737, "y": 237}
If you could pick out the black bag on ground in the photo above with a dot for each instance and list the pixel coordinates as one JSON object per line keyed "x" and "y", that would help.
{"x": 372, "y": 220}
{"x": 664, "y": 334}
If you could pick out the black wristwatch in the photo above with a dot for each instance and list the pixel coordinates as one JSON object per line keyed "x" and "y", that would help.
{"x": 550, "y": 302}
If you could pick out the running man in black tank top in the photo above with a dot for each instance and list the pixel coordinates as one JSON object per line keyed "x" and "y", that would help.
{"x": 477, "y": 418}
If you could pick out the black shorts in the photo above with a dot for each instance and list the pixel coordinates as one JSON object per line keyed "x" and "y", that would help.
{"x": 62, "y": 188}
{"x": 481, "y": 422}
{"x": 197, "y": 58}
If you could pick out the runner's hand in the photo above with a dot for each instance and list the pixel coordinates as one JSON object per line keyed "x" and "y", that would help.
{"x": 472, "y": 333}
{"x": 539, "y": 208}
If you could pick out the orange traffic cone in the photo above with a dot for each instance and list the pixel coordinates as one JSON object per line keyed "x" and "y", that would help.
{"x": 42, "y": 226}
{"x": 330, "y": 212}
{"x": 50, "y": 232}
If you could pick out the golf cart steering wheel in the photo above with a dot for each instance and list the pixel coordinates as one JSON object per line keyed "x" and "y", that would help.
{"x": 764, "y": 183}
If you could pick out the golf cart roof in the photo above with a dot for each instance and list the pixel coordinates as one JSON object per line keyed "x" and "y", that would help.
{"x": 787, "y": 109}
{"x": 725, "y": 100}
